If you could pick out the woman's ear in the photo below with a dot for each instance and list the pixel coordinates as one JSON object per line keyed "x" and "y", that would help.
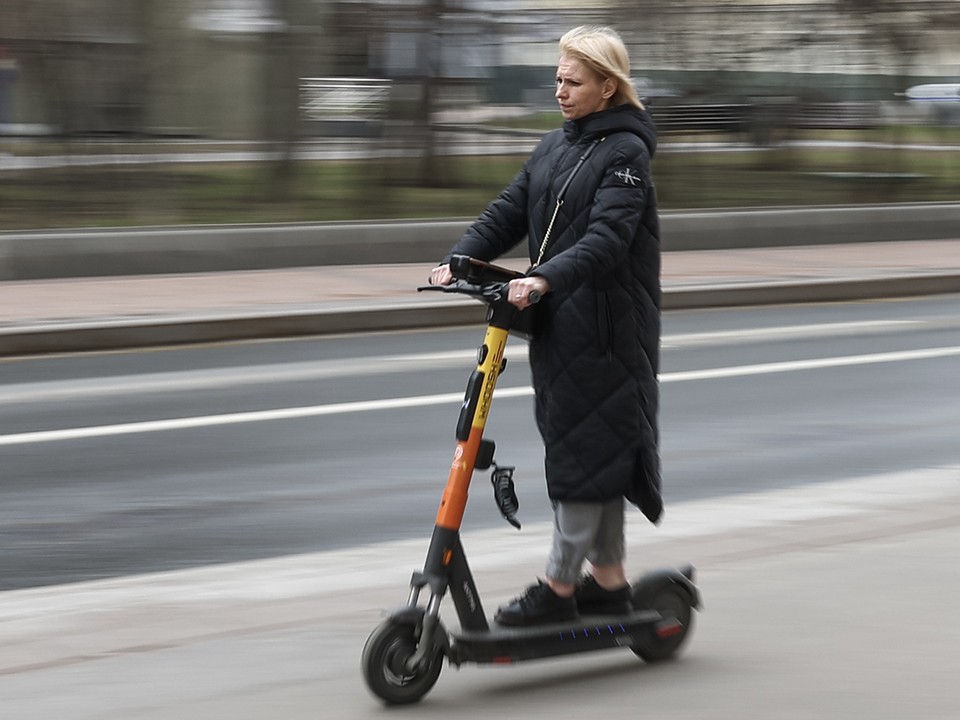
{"x": 609, "y": 88}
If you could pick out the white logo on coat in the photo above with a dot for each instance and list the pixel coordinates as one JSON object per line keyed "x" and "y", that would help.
{"x": 627, "y": 177}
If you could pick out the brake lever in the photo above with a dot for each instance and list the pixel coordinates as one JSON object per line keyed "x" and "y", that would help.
{"x": 496, "y": 291}
{"x": 456, "y": 286}
{"x": 489, "y": 292}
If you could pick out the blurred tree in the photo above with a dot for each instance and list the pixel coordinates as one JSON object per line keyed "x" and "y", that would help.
{"x": 892, "y": 29}
{"x": 430, "y": 54}
{"x": 286, "y": 46}
{"x": 892, "y": 35}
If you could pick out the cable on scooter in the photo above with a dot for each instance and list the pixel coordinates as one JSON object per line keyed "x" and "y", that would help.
{"x": 505, "y": 493}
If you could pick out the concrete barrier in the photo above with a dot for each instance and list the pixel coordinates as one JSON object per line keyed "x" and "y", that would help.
{"x": 156, "y": 250}
{"x": 785, "y": 227}
{"x": 151, "y": 250}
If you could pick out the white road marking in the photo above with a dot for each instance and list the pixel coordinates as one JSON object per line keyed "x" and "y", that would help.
{"x": 221, "y": 378}
{"x": 812, "y": 364}
{"x": 390, "y": 563}
{"x": 423, "y": 400}
{"x": 786, "y": 332}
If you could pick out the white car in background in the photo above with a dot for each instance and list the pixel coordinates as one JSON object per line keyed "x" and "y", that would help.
{"x": 938, "y": 101}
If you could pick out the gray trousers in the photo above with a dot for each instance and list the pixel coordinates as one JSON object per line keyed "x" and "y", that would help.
{"x": 585, "y": 531}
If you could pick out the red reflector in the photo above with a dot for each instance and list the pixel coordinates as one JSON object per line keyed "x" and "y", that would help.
{"x": 503, "y": 660}
{"x": 669, "y": 628}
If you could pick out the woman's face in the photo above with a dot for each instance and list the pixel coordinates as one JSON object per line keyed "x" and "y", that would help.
{"x": 581, "y": 91}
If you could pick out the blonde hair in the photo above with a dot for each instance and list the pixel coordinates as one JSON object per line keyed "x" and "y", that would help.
{"x": 603, "y": 51}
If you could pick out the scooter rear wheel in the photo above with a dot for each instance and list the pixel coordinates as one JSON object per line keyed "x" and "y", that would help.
{"x": 384, "y": 660}
{"x": 669, "y": 633}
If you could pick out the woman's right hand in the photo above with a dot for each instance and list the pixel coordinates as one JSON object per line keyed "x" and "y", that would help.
{"x": 441, "y": 275}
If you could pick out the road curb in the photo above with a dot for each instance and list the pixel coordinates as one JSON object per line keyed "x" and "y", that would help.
{"x": 196, "y": 328}
{"x": 810, "y": 291}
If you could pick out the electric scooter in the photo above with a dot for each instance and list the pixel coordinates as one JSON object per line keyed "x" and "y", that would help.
{"x": 403, "y": 656}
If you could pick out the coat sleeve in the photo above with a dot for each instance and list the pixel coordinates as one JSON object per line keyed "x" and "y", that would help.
{"x": 501, "y": 226}
{"x": 615, "y": 212}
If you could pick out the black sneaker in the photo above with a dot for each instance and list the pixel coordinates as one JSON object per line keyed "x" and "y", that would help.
{"x": 594, "y": 600}
{"x": 538, "y": 605}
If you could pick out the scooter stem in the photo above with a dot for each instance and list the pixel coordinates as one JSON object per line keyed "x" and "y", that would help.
{"x": 473, "y": 419}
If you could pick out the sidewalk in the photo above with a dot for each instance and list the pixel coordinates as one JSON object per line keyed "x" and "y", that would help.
{"x": 830, "y": 600}
{"x": 132, "y": 311}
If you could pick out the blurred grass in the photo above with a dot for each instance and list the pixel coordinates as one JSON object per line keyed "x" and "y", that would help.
{"x": 387, "y": 189}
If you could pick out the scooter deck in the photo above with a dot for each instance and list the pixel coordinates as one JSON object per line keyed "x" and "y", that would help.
{"x": 502, "y": 644}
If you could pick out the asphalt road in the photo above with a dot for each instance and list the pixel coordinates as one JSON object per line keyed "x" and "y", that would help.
{"x": 123, "y": 463}
{"x": 812, "y": 478}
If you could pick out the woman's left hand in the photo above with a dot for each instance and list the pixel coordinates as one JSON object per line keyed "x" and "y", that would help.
{"x": 519, "y": 290}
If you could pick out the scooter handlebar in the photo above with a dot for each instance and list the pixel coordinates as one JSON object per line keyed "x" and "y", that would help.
{"x": 479, "y": 272}
{"x": 490, "y": 284}
{"x": 495, "y": 290}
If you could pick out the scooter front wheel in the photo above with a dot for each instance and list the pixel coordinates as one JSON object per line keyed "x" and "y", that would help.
{"x": 384, "y": 660}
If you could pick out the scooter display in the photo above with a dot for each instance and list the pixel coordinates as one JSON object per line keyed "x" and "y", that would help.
{"x": 404, "y": 655}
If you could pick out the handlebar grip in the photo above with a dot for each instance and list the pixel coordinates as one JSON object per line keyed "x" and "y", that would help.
{"x": 534, "y": 297}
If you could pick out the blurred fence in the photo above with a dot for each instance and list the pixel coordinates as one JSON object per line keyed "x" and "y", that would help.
{"x": 344, "y": 106}
{"x": 746, "y": 117}
{"x": 344, "y": 99}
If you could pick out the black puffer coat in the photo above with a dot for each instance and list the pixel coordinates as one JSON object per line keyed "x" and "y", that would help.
{"x": 595, "y": 356}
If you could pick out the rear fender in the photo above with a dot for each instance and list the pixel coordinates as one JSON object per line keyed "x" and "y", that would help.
{"x": 646, "y": 587}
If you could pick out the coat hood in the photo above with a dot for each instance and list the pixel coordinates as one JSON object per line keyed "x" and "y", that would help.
{"x": 623, "y": 118}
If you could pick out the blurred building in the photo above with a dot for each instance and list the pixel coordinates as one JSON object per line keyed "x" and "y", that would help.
{"x": 234, "y": 68}
{"x": 207, "y": 68}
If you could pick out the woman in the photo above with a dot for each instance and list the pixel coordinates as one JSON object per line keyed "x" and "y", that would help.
{"x": 595, "y": 354}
